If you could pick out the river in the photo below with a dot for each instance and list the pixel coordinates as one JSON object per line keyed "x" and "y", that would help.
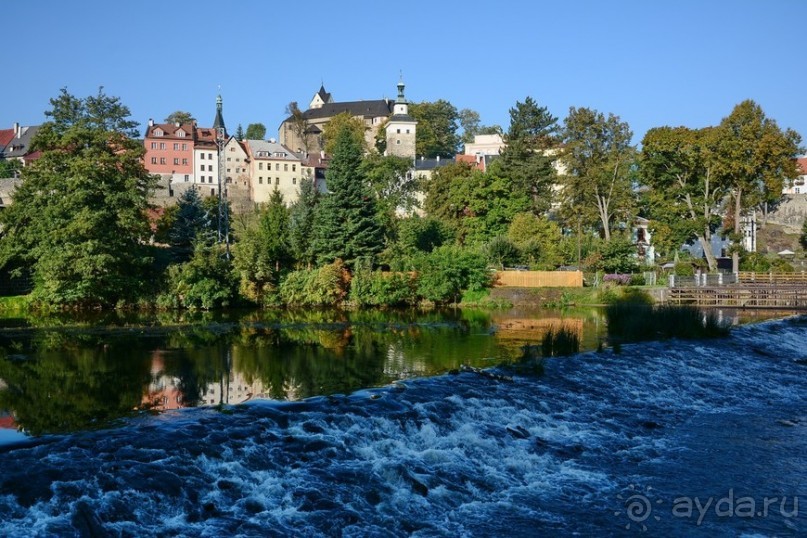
{"x": 365, "y": 424}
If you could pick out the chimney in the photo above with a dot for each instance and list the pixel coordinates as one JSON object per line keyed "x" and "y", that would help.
{"x": 17, "y": 130}
{"x": 151, "y": 122}
{"x": 176, "y": 124}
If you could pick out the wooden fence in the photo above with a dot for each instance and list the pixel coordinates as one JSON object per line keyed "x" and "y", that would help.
{"x": 539, "y": 279}
{"x": 747, "y": 277}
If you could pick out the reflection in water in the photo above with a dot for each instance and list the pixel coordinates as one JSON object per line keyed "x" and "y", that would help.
{"x": 76, "y": 377}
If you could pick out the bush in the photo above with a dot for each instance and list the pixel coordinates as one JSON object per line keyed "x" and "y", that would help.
{"x": 559, "y": 343}
{"x": 754, "y": 261}
{"x": 315, "y": 287}
{"x": 376, "y": 288}
{"x": 447, "y": 271}
{"x": 205, "y": 281}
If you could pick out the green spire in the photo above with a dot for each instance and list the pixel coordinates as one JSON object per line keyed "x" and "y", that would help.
{"x": 218, "y": 123}
{"x": 401, "y": 98}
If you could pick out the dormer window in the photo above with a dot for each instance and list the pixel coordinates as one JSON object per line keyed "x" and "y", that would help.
{"x": 180, "y": 133}
{"x": 158, "y": 132}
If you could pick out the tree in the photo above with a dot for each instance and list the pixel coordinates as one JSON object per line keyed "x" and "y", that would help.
{"x": 192, "y": 223}
{"x": 299, "y": 126}
{"x": 256, "y": 131}
{"x": 477, "y": 206}
{"x": 10, "y": 168}
{"x": 337, "y": 124}
{"x": 598, "y": 159}
{"x": 527, "y": 159}
{"x": 394, "y": 186}
{"x": 264, "y": 251}
{"x": 79, "y": 215}
{"x": 346, "y": 226}
{"x": 678, "y": 165}
{"x": 302, "y": 215}
{"x": 180, "y": 117}
{"x": 537, "y": 238}
{"x": 239, "y": 133}
{"x": 437, "y": 128}
{"x": 469, "y": 122}
{"x": 755, "y": 156}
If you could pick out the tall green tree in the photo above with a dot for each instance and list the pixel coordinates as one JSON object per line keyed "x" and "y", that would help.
{"x": 256, "y": 131}
{"x": 684, "y": 193}
{"x": 79, "y": 214}
{"x": 437, "y": 128}
{"x": 192, "y": 222}
{"x": 180, "y": 116}
{"x": 528, "y": 157}
{"x": 598, "y": 159}
{"x": 471, "y": 126}
{"x": 302, "y": 215}
{"x": 395, "y": 188}
{"x": 346, "y": 226}
{"x": 239, "y": 133}
{"x": 264, "y": 251}
{"x": 756, "y": 156}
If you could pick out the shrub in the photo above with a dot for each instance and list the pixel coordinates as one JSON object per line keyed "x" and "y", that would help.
{"x": 560, "y": 343}
{"x": 205, "y": 281}
{"x": 446, "y": 272}
{"x": 326, "y": 285}
{"x": 376, "y": 288}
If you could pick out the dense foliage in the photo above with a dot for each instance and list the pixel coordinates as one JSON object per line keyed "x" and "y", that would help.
{"x": 79, "y": 214}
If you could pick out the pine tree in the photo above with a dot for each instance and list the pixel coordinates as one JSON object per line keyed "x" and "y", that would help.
{"x": 301, "y": 222}
{"x": 346, "y": 226}
{"x": 193, "y": 222}
{"x": 239, "y": 133}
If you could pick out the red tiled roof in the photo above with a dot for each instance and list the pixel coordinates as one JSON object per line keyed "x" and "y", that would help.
{"x": 6, "y": 136}
{"x": 802, "y": 162}
{"x": 170, "y": 129}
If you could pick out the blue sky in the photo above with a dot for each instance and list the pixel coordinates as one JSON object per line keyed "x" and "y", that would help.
{"x": 653, "y": 63}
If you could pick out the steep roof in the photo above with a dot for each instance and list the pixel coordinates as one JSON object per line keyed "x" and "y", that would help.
{"x": 5, "y": 137}
{"x": 374, "y": 108}
{"x": 205, "y": 137}
{"x": 325, "y": 96}
{"x": 20, "y": 146}
{"x": 802, "y": 162}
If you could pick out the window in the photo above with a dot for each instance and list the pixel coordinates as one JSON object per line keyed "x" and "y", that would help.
{"x": 162, "y": 145}
{"x": 277, "y": 181}
{"x": 176, "y": 146}
{"x": 202, "y": 167}
{"x": 185, "y": 162}
{"x": 232, "y": 148}
{"x": 176, "y": 160}
{"x": 294, "y": 181}
{"x": 154, "y": 145}
{"x": 154, "y": 160}
{"x": 228, "y": 159}
{"x": 294, "y": 168}
{"x": 398, "y": 131}
{"x": 186, "y": 178}
{"x": 228, "y": 170}
{"x": 209, "y": 167}
{"x": 260, "y": 180}
{"x": 398, "y": 142}
{"x": 210, "y": 179}
{"x": 277, "y": 167}
{"x": 202, "y": 156}
{"x": 238, "y": 159}
{"x": 407, "y": 131}
{"x": 210, "y": 156}
{"x": 162, "y": 160}
{"x": 286, "y": 167}
{"x": 185, "y": 146}
{"x": 180, "y": 134}
{"x": 260, "y": 166}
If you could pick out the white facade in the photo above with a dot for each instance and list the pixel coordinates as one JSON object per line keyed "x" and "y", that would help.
{"x": 206, "y": 169}
{"x": 490, "y": 144}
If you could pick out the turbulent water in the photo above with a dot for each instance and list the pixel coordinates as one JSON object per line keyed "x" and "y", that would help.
{"x": 673, "y": 438}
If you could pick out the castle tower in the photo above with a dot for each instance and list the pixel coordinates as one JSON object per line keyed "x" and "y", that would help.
{"x": 401, "y": 127}
{"x": 218, "y": 123}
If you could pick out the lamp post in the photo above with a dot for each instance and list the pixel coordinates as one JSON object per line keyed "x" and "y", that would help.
{"x": 223, "y": 217}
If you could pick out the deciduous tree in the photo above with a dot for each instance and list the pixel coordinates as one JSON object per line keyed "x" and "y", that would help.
{"x": 598, "y": 159}
{"x": 337, "y": 124}
{"x": 79, "y": 215}
{"x": 256, "y": 131}
{"x": 437, "y": 128}
{"x": 180, "y": 116}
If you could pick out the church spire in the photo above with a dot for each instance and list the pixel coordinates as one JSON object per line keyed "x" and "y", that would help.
{"x": 218, "y": 123}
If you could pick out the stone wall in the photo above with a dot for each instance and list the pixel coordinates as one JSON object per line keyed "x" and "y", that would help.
{"x": 791, "y": 212}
